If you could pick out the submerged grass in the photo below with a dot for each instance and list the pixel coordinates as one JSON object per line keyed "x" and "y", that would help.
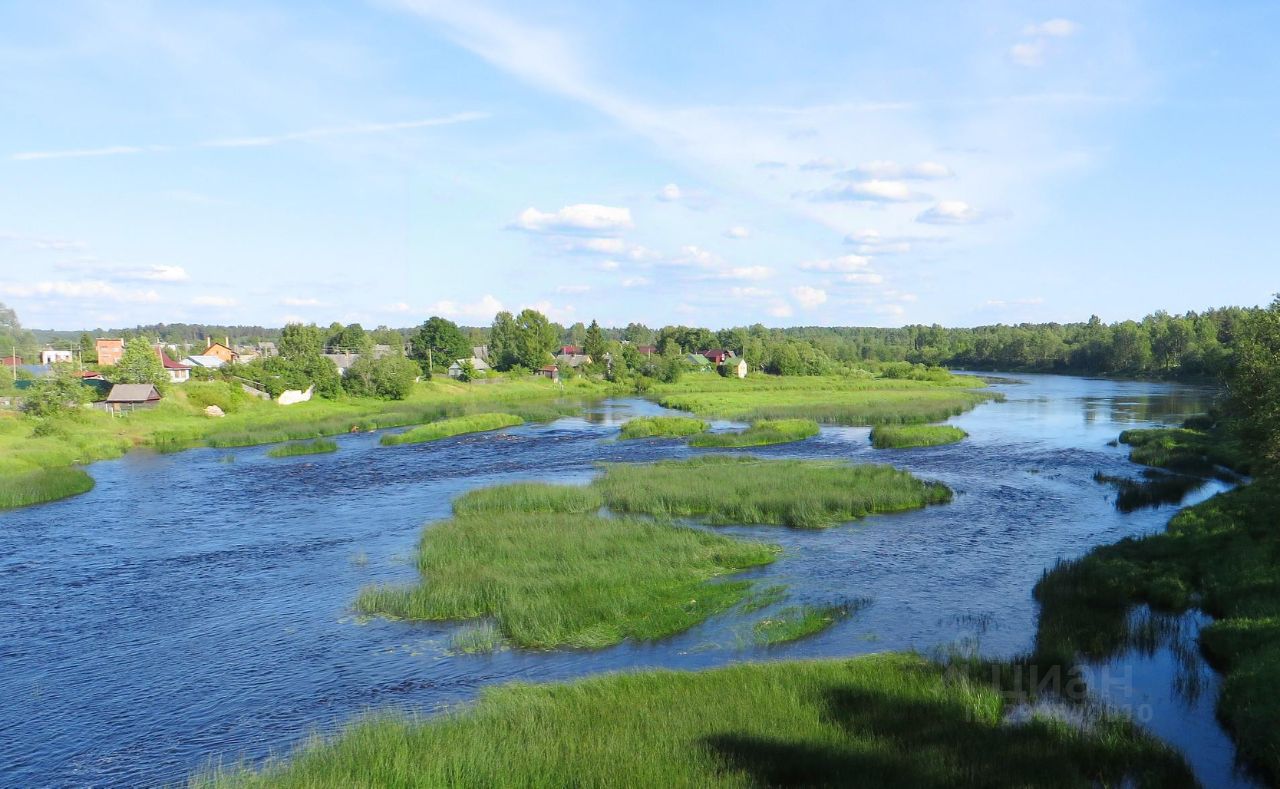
{"x": 761, "y": 433}
{"x": 824, "y": 399}
{"x": 662, "y": 427}
{"x": 728, "y": 489}
{"x": 320, "y": 446}
{"x": 795, "y": 623}
{"x": 481, "y": 639}
{"x": 905, "y": 436}
{"x": 556, "y": 579}
{"x": 445, "y": 428}
{"x": 528, "y": 497}
{"x": 763, "y": 598}
{"x": 884, "y": 720}
{"x": 41, "y": 485}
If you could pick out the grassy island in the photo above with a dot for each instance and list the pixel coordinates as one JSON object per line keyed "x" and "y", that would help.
{"x": 320, "y": 446}
{"x": 889, "y": 720}
{"x": 434, "y": 431}
{"x": 742, "y": 489}
{"x": 906, "y": 436}
{"x": 662, "y": 427}
{"x": 761, "y": 433}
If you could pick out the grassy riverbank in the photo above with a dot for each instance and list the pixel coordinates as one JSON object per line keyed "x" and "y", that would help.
{"x": 29, "y": 445}
{"x": 742, "y": 489}
{"x": 43, "y": 484}
{"x": 1186, "y": 450}
{"x": 825, "y": 399}
{"x": 907, "y": 436}
{"x": 320, "y": 446}
{"x": 884, "y": 720}
{"x": 1222, "y": 556}
{"x": 661, "y": 427}
{"x": 761, "y": 433}
{"x": 434, "y": 431}
{"x": 551, "y": 579}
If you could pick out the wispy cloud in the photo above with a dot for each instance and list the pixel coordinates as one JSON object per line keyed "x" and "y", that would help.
{"x": 255, "y": 142}
{"x": 585, "y": 218}
{"x": 951, "y": 212}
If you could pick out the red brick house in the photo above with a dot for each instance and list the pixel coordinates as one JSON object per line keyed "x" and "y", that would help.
{"x": 109, "y": 351}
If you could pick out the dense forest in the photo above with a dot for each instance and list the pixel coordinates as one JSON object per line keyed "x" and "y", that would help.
{"x": 1192, "y": 345}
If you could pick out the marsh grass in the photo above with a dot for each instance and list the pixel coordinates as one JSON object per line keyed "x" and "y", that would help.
{"x": 906, "y": 436}
{"x": 763, "y": 598}
{"x": 727, "y": 489}
{"x": 528, "y": 497}
{"x": 42, "y": 485}
{"x": 886, "y": 720}
{"x": 320, "y": 446}
{"x": 475, "y": 423}
{"x": 1187, "y": 451}
{"x": 796, "y": 622}
{"x": 482, "y": 639}
{"x": 554, "y": 579}
{"x": 1152, "y": 490}
{"x": 761, "y": 433}
{"x": 825, "y": 399}
{"x": 661, "y": 427}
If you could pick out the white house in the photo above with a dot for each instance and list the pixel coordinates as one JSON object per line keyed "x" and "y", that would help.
{"x": 477, "y": 364}
{"x": 50, "y": 356}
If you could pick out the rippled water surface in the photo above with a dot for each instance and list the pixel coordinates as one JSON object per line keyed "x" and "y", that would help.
{"x": 195, "y": 606}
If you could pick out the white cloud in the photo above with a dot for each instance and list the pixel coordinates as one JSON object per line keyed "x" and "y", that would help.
{"x": 572, "y": 288}
{"x": 214, "y": 301}
{"x": 585, "y": 218}
{"x": 950, "y": 212}
{"x": 821, "y": 163}
{"x": 256, "y": 142}
{"x": 737, "y": 231}
{"x": 864, "y": 278}
{"x": 883, "y": 169}
{"x": 1034, "y": 300}
{"x": 399, "y": 306}
{"x": 750, "y": 292}
{"x": 780, "y": 310}
{"x": 635, "y": 282}
{"x": 301, "y": 301}
{"x": 609, "y": 265}
{"x": 842, "y": 263}
{"x": 747, "y": 272}
{"x": 874, "y": 190}
{"x": 808, "y": 297}
{"x": 1054, "y": 28}
{"x": 485, "y": 308}
{"x": 692, "y": 255}
{"x": 669, "y": 193}
{"x": 96, "y": 290}
{"x": 159, "y": 274}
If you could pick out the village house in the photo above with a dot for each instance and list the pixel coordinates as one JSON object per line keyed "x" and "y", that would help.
{"x": 131, "y": 397}
{"x": 717, "y": 355}
{"x": 549, "y": 371}
{"x": 177, "y": 371}
{"x": 11, "y": 361}
{"x": 222, "y": 351}
{"x": 573, "y": 360}
{"x": 342, "y": 361}
{"x": 698, "y": 361}
{"x": 569, "y": 350}
{"x": 646, "y": 350}
{"x": 477, "y": 364}
{"x": 200, "y": 360}
{"x": 54, "y": 356}
{"x": 110, "y": 351}
{"x": 480, "y": 352}
{"x": 738, "y": 367}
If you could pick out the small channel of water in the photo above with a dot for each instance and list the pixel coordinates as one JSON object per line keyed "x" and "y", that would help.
{"x": 195, "y": 606}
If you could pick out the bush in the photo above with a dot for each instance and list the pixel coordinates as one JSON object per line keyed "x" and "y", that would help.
{"x": 388, "y": 378}
{"x": 227, "y": 396}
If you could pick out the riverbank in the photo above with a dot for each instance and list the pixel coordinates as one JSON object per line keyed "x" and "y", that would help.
{"x": 1221, "y": 556}
{"x": 886, "y": 720}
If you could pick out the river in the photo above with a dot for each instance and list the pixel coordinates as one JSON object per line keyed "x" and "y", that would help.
{"x": 195, "y": 607}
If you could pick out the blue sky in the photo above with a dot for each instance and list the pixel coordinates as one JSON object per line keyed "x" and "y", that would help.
{"x": 721, "y": 163}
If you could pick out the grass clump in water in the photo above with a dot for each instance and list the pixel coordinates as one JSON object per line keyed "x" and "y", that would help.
{"x": 42, "y": 485}
{"x": 528, "y": 497}
{"x": 1187, "y": 451}
{"x": 795, "y": 623}
{"x": 553, "y": 579}
{"x": 906, "y": 436}
{"x": 743, "y": 489}
{"x": 761, "y": 433}
{"x": 764, "y": 598}
{"x": 886, "y": 720}
{"x": 481, "y": 639}
{"x": 433, "y": 431}
{"x": 662, "y": 427}
{"x": 320, "y": 446}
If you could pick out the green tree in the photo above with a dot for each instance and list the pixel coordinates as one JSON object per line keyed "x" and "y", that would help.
{"x": 390, "y": 378}
{"x": 58, "y": 395}
{"x": 297, "y": 341}
{"x": 535, "y": 338}
{"x": 595, "y": 345}
{"x": 140, "y": 364}
{"x": 1255, "y": 384}
{"x": 502, "y": 341}
{"x": 440, "y": 341}
{"x": 466, "y": 371}
{"x": 349, "y": 339}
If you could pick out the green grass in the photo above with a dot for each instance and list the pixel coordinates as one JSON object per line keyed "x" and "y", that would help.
{"x": 886, "y": 720}
{"x": 763, "y": 598}
{"x": 795, "y": 623}
{"x": 320, "y": 446}
{"x": 1223, "y": 556}
{"x": 662, "y": 427}
{"x": 904, "y": 436}
{"x": 824, "y": 399}
{"x": 528, "y": 497}
{"x": 445, "y": 428}
{"x": 41, "y": 485}
{"x": 554, "y": 579}
{"x": 742, "y": 489}
{"x": 761, "y": 433}
{"x": 1185, "y": 450}
{"x": 481, "y": 639}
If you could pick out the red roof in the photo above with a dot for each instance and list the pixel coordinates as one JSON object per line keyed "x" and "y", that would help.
{"x": 168, "y": 363}
{"x": 716, "y": 355}
{"x": 89, "y": 374}
{"x": 570, "y": 349}
{"x": 11, "y": 361}
{"x": 647, "y": 350}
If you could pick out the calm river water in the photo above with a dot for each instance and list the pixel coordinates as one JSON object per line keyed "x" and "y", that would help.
{"x": 195, "y": 607}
